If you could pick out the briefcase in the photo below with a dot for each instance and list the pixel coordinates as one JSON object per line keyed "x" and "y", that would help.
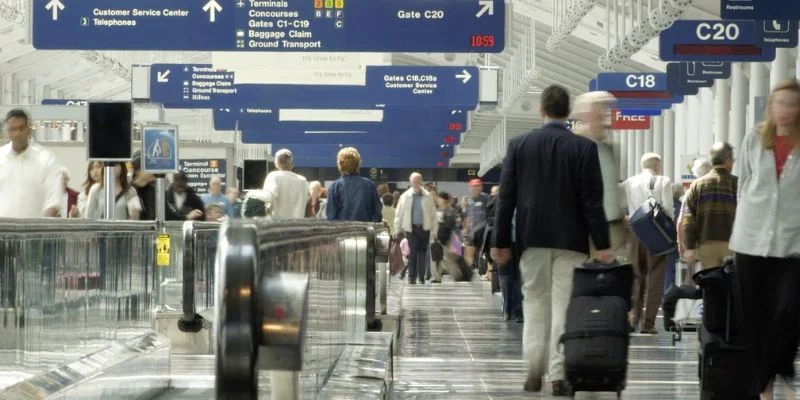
{"x": 653, "y": 226}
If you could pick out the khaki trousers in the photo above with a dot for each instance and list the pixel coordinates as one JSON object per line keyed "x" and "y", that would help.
{"x": 648, "y": 283}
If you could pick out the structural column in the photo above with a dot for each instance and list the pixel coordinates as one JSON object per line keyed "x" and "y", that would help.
{"x": 780, "y": 66}
{"x": 658, "y": 134}
{"x": 632, "y": 162}
{"x": 706, "y": 136}
{"x": 680, "y": 137}
{"x": 693, "y": 131}
{"x": 668, "y": 144}
{"x": 640, "y": 149}
{"x": 648, "y": 137}
{"x": 623, "y": 153}
{"x": 616, "y": 147}
{"x": 722, "y": 106}
{"x": 759, "y": 79}
{"x": 738, "y": 116}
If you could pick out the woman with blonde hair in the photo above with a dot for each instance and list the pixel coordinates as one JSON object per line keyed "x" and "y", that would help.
{"x": 352, "y": 197}
{"x": 766, "y": 240}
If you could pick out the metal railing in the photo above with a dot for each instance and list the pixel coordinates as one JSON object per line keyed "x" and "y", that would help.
{"x": 69, "y": 288}
{"x": 256, "y": 262}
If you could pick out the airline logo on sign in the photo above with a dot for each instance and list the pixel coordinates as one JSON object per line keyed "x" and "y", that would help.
{"x": 621, "y": 121}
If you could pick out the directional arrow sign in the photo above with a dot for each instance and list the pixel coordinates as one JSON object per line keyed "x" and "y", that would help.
{"x": 212, "y": 8}
{"x": 464, "y": 76}
{"x": 486, "y": 6}
{"x": 54, "y": 6}
{"x": 163, "y": 76}
{"x": 202, "y": 86}
{"x": 415, "y": 26}
{"x": 393, "y": 119}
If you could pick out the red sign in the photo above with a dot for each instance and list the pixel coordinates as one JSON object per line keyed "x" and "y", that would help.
{"x": 629, "y": 122}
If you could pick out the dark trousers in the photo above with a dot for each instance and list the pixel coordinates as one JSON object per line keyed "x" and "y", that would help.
{"x": 770, "y": 309}
{"x": 511, "y": 287}
{"x": 669, "y": 274}
{"x": 418, "y": 241}
{"x": 648, "y": 283}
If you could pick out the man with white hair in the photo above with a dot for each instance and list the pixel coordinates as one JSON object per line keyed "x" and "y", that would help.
{"x": 217, "y": 197}
{"x": 648, "y": 269}
{"x": 592, "y": 109}
{"x": 285, "y": 191}
{"x": 416, "y": 217}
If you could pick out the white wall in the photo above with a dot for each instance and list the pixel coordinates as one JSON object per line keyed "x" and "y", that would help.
{"x": 73, "y": 156}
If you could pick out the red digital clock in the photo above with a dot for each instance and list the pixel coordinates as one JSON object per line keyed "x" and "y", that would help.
{"x": 441, "y": 164}
{"x": 482, "y": 41}
{"x": 641, "y": 95}
{"x": 450, "y": 139}
{"x": 717, "y": 50}
{"x": 455, "y": 126}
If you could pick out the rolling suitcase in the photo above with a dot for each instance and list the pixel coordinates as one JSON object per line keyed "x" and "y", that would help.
{"x": 723, "y": 366}
{"x": 597, "y": 331}
{"x": 596, "y": 279}
{"x": 595, "y": 343}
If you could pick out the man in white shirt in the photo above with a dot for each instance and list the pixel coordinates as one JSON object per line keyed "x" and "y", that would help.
{"x": 30, "y": 181}
{"x": 285, "y": 191}
{"x": 648, "y": 269}
{"x": 416, "y": 217}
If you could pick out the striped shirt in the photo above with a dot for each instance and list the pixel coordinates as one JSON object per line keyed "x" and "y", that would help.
{"x": 710, "y": 208}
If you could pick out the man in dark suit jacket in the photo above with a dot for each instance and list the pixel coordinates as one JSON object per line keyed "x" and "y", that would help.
{"x": 552, "y": 178}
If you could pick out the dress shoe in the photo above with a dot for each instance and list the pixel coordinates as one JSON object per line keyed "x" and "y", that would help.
{"x": 562, "y": 389}
{"x": 533, "y": 383}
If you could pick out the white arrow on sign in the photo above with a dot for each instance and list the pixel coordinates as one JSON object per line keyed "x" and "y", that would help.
{"x": 464, "y": 76}
{"x": 163, "y": 77}
{"x": 54, "y": 5}
{"x": 485, "y": 6}
{"x": 212, "y": 8}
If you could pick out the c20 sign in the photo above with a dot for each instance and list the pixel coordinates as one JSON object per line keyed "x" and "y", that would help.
{"x": 717, "y": 31}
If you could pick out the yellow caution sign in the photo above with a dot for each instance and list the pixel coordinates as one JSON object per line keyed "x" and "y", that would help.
{"x": 162, "y": 250}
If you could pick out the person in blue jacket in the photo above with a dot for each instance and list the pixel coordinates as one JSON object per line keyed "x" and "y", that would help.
{"x": 352, "y": 197}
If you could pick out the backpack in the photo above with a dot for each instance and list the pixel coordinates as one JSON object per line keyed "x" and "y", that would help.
{"x": 253, "y": 208}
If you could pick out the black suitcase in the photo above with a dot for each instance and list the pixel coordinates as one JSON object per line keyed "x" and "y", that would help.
{"x": 719, "y": 310}
{"x": 724, "y": 365}
{"x": 596, "y": 279}
{"x": 595, "y": 342}
{"x": 725, "y": 372}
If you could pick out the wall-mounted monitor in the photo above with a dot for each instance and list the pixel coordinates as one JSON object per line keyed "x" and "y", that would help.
{"x": 110, "y": 131}
{"x": 254, "y": 173}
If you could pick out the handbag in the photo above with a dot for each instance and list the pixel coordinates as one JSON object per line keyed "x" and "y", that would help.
{"x": 437, "y": 252}
{"x": 396, "y": 263}
{"x": 455, "y": 244}
{"x": 653, "y": 227}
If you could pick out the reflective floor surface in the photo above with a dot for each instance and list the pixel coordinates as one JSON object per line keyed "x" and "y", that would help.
{"x": 454, "y": 344}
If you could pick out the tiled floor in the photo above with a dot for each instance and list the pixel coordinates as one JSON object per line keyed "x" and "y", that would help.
{"x": 454, "y": 344}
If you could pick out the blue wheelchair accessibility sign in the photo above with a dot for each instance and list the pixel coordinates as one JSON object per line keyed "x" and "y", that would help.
{"x": 160, "y": 149}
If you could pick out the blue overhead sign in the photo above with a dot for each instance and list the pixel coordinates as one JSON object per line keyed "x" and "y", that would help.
{"x": 202, "y": 86}
{"x": 653, "y": 112}
{"x": 391, "y": 119}
{"x": 353, "y": 136}
{"x": 440, "y": 26}
{"x": 631, "y": 81}
{"x": 160, "y": 149}
{"x": 64, "y": 102}
{"x": 760, "y": 9}
{"x": 685, "y": 80}
{"x": 701, "y": 40}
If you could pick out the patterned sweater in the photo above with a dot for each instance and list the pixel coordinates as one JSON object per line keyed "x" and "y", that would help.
{"x": 710, "y": 208}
